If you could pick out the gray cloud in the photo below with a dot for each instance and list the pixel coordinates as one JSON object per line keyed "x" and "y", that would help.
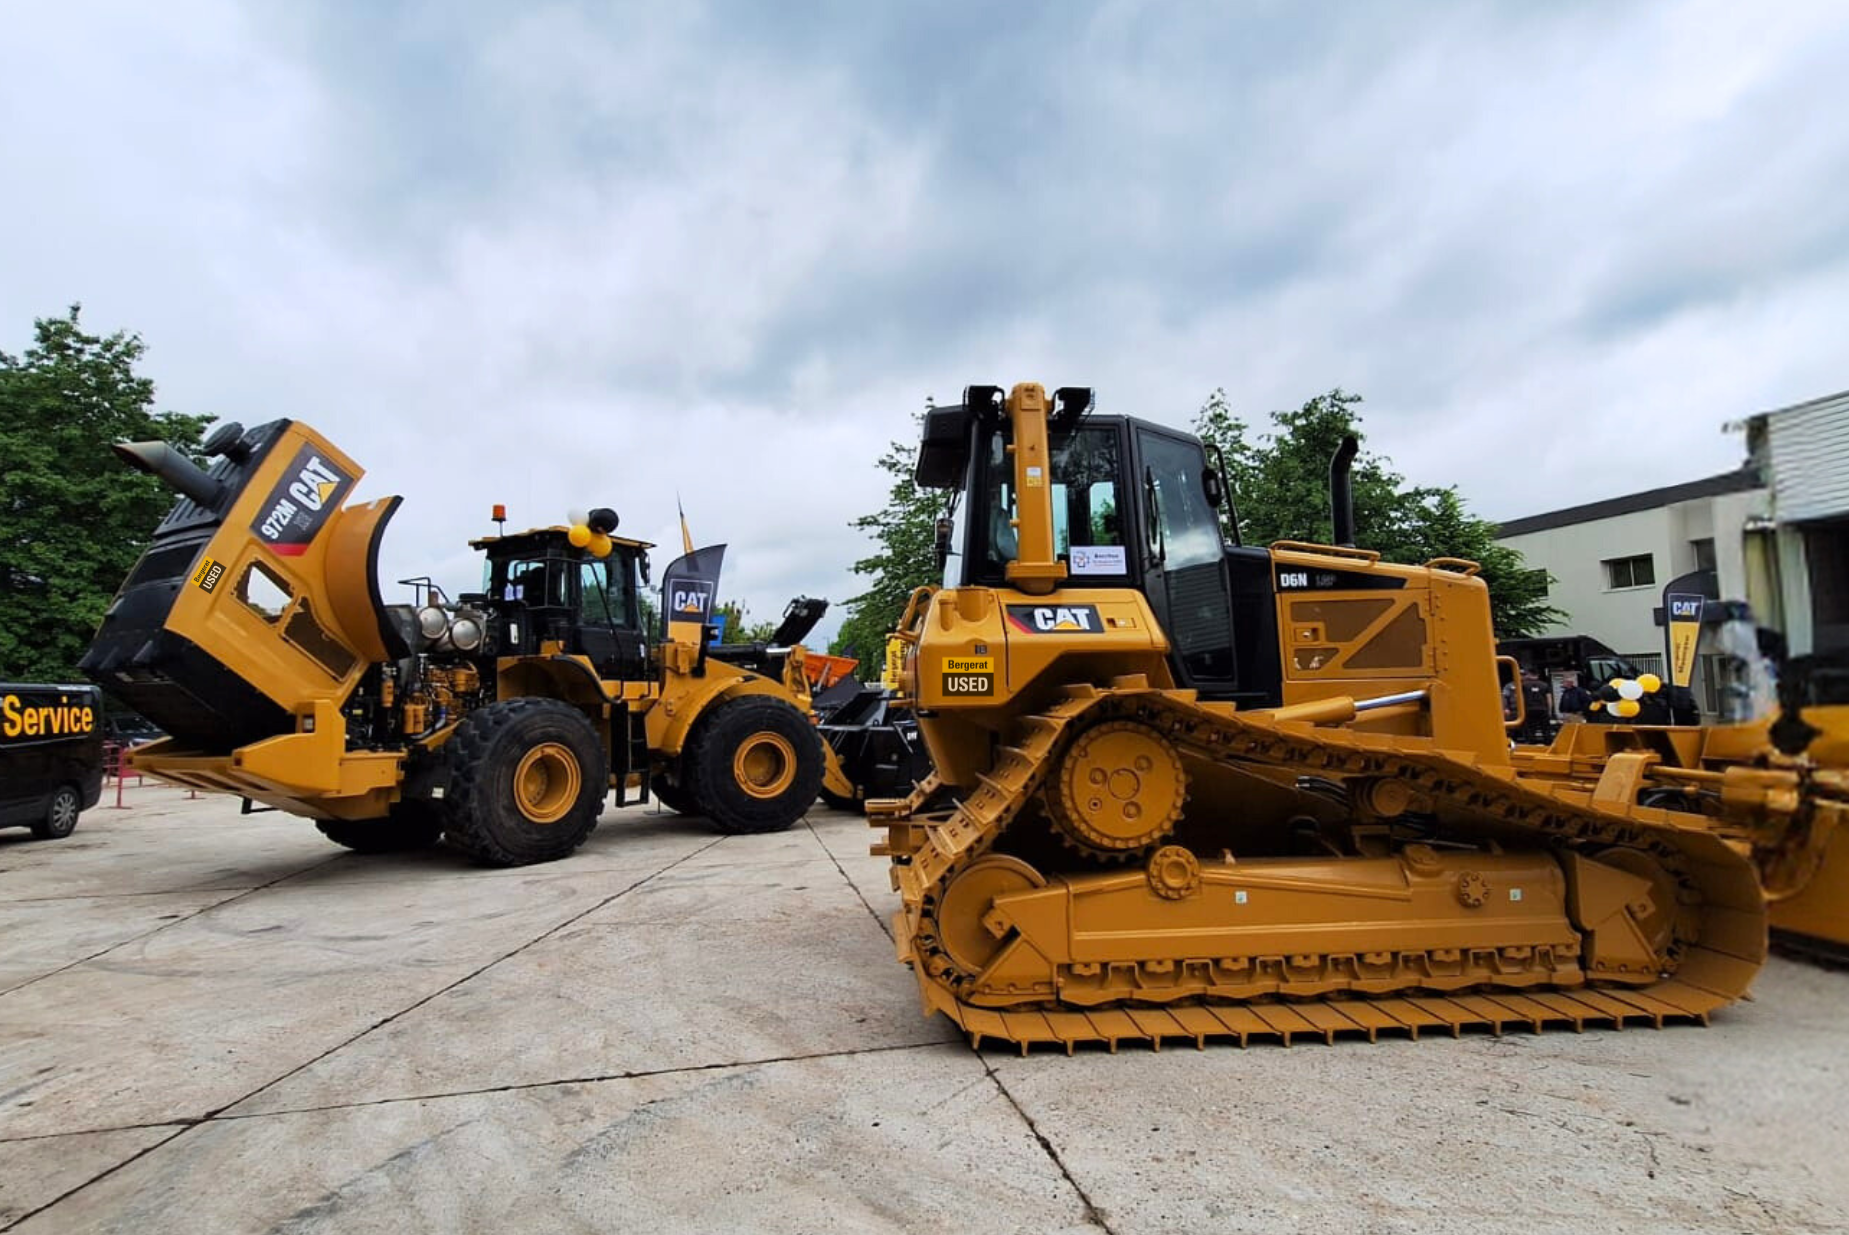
{"x": 564, "y": 255}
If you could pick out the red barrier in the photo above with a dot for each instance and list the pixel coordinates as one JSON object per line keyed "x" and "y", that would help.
{"x": 113, "y": 769}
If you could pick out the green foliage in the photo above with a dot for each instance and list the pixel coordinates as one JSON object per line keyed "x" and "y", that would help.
{"x": 904, "y": 532}
{"x": 1280, "y": 482}
{"x": 73, "y": 519}
{"x": 739, "y": 628}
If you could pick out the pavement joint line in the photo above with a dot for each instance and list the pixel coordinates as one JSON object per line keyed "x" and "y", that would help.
{"x": 183, "y": 1122}
{"x": 467, "y": 977}
{"x": 1091, "y": 1210}
{"x": 113, "y": 896}
{"x": 132, "y": 1158}
{"x": 878, "y": 921}
{"x": 592, "y": 1079}
{"x": 155, "y": 930}
{"x": 214, "y": 1115}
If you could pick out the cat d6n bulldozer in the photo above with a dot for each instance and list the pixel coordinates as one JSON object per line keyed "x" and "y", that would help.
{"x": 253, "y": 631}
{"x": 1188, "y": 789}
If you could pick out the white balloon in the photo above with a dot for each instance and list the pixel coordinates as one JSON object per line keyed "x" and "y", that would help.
{"x": 574, "y": 515}
{"x": 1628, "y": 689}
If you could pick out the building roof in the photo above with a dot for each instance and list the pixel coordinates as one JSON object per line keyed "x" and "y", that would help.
{"x": 1840, "y": 397}
{"x": 1738, "y": 481}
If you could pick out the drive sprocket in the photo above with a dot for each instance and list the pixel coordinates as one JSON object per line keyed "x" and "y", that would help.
{"x": 1119, "y": 789}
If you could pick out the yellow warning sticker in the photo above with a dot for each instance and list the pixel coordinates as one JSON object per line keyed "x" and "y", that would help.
{"x": 209, "y": 573}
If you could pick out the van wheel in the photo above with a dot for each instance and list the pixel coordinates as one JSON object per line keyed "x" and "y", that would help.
{"x": 527, "y": 781}
{"x": 755, "y": 764}
{"x": 411, "y": 825}
{"x": 60, "y": 815}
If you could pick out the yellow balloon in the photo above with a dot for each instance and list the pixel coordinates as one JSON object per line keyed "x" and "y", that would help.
{"x": 601, "y": 545}
{"x": 1627, "y": 708}
{"x": 580, "y": 535}
{"x": 1650, "y": 682}
{"x": 1598, "y": 705}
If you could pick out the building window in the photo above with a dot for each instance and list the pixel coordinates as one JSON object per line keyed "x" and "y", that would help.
{"x": 1704, "y": 553}
{"x": 1639, "y": 571}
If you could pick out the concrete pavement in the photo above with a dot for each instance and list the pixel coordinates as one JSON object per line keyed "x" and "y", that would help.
{"x": 215, "y": 1023}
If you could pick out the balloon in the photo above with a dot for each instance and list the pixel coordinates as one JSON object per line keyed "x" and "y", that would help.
{"x": 579, "y": 535}
{"x": 575, "y": 515}
{"x": 1650, "y": 682}
{"x": 601, "y": 545}
{"x": 1629, "y": 690}
{"x": 1627, "y": 708}
{"x": 1596, "y": 706}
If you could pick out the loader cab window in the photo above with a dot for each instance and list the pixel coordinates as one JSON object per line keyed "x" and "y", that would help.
{"x": 535, "y": 581}
{"x": 607, "y": 592}
{"x": 1087, "y": 524}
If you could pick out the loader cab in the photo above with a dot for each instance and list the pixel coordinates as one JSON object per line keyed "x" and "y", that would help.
{"x": 1135, "y": 505}
{"x": 540, "y": 589}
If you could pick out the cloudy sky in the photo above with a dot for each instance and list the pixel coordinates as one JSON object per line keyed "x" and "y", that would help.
{"x": 560, "y": 255}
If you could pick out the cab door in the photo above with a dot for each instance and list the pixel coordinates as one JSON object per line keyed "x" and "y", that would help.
{"x": 1185, "y": 561}
{"x": 608, "y": 629}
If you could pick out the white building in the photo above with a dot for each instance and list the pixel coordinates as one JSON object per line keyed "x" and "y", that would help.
{"x": 1775, "y": 533}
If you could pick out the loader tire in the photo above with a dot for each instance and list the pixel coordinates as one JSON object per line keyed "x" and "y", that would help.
{"x": 411, "y": 825}
{"x": 851, "y": 805}
{"x": 527, "y": 779}
{"x": 754, "y": 765}
{"x": 675, "y": 798}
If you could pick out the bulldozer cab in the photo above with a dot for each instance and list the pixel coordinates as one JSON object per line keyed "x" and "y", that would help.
{"x": 540, "y": 590}
{"x": 1135, "y": 505}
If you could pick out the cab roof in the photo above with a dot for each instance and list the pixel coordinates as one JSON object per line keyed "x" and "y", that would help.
{"x": 546, "y": 538}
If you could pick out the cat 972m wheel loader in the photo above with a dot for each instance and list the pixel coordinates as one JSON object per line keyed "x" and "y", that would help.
{"x": 1187, "y": 790}
{"x": 253, "y": 631}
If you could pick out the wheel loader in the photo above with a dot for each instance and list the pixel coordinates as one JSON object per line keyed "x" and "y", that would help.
{"x": 253, "y": 632}
{"x": 1191, "y": 790}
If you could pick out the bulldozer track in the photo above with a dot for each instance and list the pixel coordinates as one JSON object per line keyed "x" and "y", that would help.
{"x": 1327, "y": 996}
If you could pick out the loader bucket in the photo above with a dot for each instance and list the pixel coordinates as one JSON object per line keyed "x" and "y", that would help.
{"x": 257, "y": 597}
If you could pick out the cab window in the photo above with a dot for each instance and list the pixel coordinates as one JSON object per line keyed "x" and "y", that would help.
{"x": 1186, "y": 530}
{"x": 532, "y": 580}
{"x": 1085, "y": 503}
{"x": 603, "y": 599}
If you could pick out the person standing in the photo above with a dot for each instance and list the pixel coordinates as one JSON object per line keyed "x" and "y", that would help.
{"x": 1574, "y": 700}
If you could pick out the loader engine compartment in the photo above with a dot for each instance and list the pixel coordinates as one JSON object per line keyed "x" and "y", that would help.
{"x": 157, "y": 672}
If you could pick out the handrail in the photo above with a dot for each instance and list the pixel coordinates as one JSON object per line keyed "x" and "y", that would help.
{"x": 1305, "y": 546}
{"x": 913, "y": 618}
{"x": 1456, "y": 565}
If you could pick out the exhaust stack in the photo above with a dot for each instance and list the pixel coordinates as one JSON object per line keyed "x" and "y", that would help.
{"x": 1341, "y": 494}
{"x": 180, "y": 473}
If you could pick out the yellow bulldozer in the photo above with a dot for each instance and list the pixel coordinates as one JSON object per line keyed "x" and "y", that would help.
{"x": 1189, "y": 790}
{"x": 253, "y": 632}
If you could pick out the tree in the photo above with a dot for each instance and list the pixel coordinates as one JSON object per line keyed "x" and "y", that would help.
{"x": 1280, "y": 483}
{"x": 739, "y": 628}
{"x": 905, "y": 558}
{"x": 73, "y": 519}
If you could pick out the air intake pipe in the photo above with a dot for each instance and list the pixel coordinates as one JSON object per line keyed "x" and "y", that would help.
{"x": 180, "y": 472}
{"x": 1341, "y": 493}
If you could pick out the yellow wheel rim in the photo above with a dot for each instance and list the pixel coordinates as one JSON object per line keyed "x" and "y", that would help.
{"x": 546, "y": 783}
{"x": 764, "y": 765}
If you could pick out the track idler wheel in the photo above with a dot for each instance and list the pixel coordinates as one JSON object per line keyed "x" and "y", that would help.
{"x": 1118, "y": 790}
{"x": 966, "y": 938}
